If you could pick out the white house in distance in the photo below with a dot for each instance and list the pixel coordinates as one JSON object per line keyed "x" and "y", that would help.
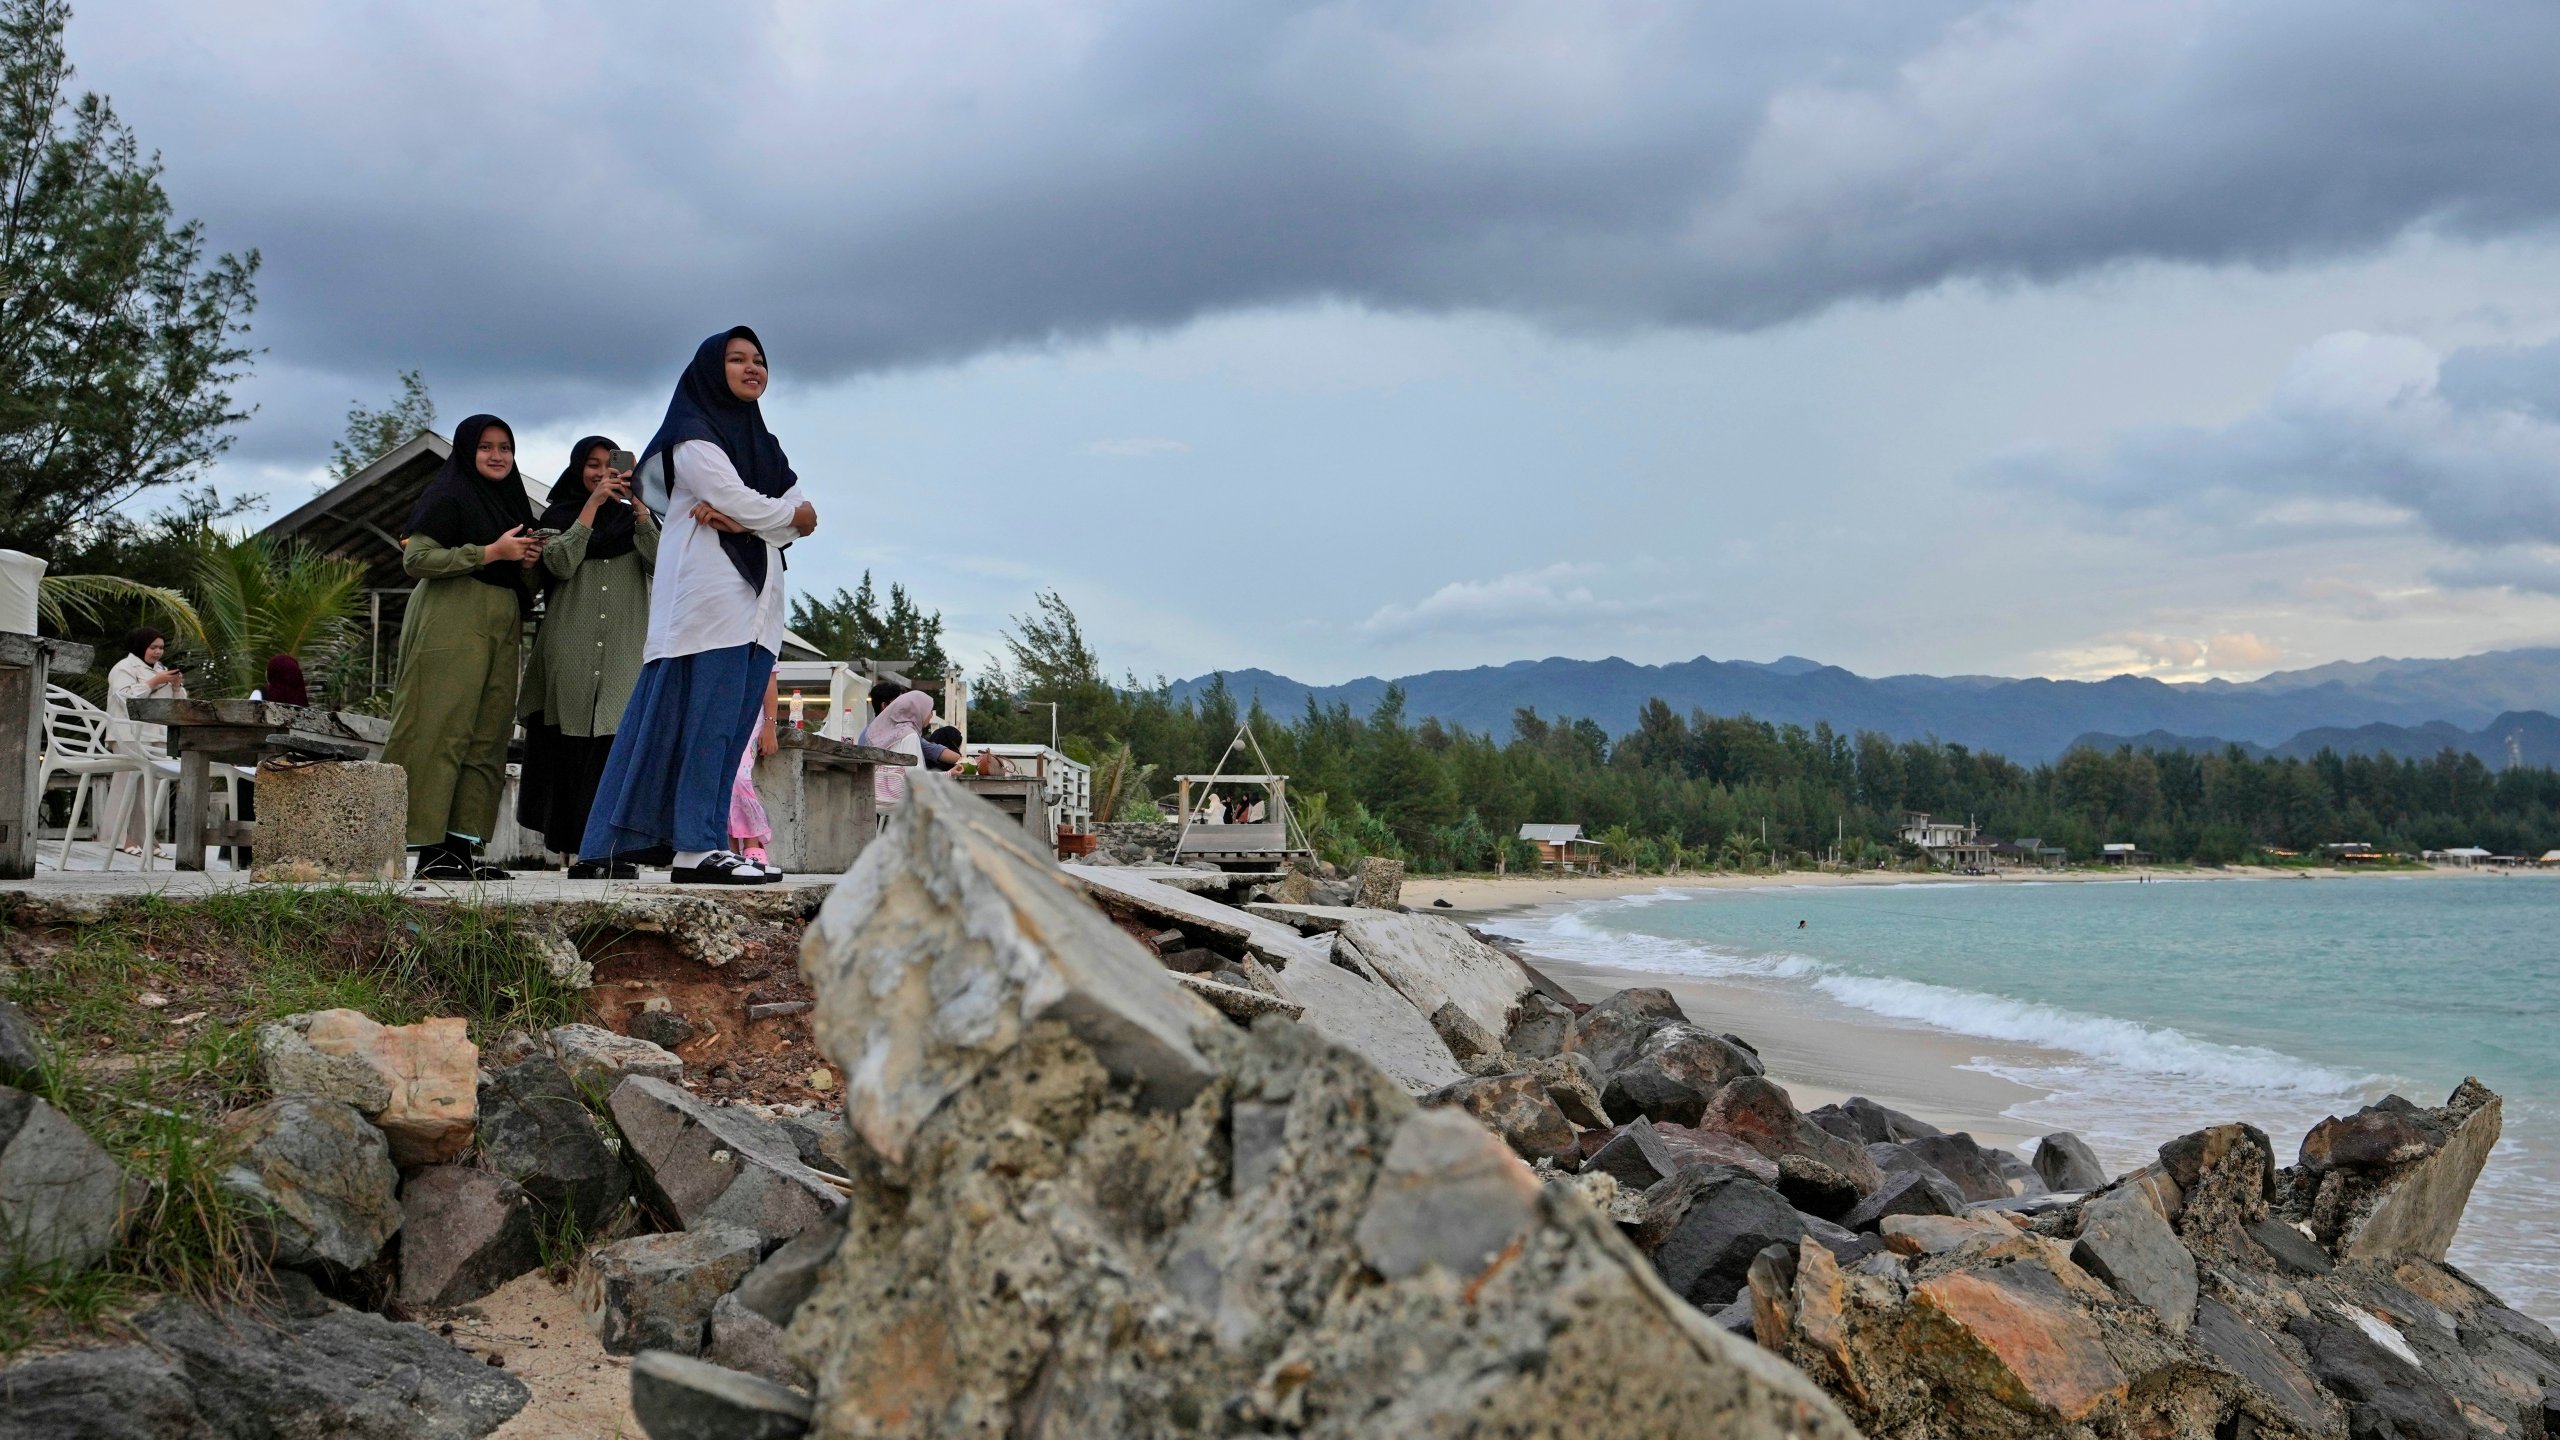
{"x": 1946, "y": 842}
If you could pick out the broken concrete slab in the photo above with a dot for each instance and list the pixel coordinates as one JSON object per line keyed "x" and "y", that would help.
{"x": 2375, "y": 1199}
{"x": 951, "y": 889}
{"x": 1371, "y": 1019}
{"x": 1274, "y": 943}
{"x": 1433, "y": 961}
{"x": 719, "y": 1165}
{"x": 1236, "y": 1002}
{"x": 597, "y": 1059}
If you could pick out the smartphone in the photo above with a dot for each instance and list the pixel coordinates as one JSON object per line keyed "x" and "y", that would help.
{"x": 622, "y": 461}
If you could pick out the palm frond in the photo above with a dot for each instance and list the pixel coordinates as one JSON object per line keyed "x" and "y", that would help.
{"x": 64, "y": 600}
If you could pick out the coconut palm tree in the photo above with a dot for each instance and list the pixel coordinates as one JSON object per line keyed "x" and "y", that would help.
{"x": 66, "y": 600}
{"x": 260, "y": 598}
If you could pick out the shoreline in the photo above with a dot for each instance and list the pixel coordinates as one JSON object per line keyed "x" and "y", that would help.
{"x": 1485, "y": 896}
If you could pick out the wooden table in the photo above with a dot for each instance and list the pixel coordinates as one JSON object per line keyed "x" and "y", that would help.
{"x": 817, "y": 793}
{"x": 28, "y": 663}
{"x": 243, "y": 732}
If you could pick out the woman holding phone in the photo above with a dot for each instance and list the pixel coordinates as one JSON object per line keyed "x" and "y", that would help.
{"x": 599, "y": 553}
{"x": 470, "y": 543}
{"x": 732, "y": 503}
{"x": 138, "y": 676}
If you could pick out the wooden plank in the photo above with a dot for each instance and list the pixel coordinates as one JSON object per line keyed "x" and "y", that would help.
{"x": 819, "y": 747}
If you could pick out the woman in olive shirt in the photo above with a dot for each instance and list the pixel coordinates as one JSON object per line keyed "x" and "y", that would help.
{"x": 601, "y": 551}
{"x": 469, "y": 545}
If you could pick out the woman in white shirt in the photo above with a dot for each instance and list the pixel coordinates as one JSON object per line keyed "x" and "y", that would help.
{"x": 732, "y": 505}
{"x": 137, "y": 676}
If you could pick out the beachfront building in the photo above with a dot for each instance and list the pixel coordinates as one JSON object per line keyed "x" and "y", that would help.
{"x": 2464, "y": 856}
{"x": 1947, "y": 843}
{"x": 2030, "y": 851}
{"x": 1563, "y": 847}
{"x": 2123, "y": 852}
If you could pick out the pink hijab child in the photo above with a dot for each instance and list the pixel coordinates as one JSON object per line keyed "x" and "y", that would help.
{"x": 899, "y": 726}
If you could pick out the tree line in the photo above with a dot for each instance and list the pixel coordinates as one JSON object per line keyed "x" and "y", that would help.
{"x": 1699, "y": 790}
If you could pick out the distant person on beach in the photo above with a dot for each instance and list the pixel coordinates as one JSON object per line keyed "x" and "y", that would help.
{"x": 1799, "y": 924}
{"x": 601, "y": 550}
{"x": 898, "y": 727}
{"x": 470, "y": 544}
{"x": 731, "y": 504}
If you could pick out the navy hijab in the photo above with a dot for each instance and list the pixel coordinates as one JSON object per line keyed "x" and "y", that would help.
{"x": 704, "y": 409}
{"x": 612, "y": 532}
{"x": 461, "y": 506}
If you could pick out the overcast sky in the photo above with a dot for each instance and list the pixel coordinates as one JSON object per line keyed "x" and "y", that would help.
{"x": 2170, "y": 336}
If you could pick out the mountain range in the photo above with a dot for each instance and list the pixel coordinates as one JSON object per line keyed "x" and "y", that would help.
{"x": 2518, "y": 737}
{"x": 2025, "y": 719}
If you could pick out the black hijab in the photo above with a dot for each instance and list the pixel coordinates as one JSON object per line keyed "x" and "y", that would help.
{"x": 704, "y": 409}
{"x": 463, "y": 507}
{"x": 611, "y": 533}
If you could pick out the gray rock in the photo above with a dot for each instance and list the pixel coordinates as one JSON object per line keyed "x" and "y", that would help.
{"x": 1377, "y": 884}
{"x": 535, "y": 1129}
{"x": 1673, "y": 1074}
{"x": 2250, "y": 1355}
{"x": 2294, "y": 1252}
{"x": 1468, "y": 1041}
{"x": 1964, "y": 1164}
{"x": 1635, "y": 1157}
{"x": 1448, "y": 1194}
{"x": 2066, "y": 1162}
{"x": 679, "y": 1398}
{"x": 1758, "y": 1112}
{"x": 718, "y": 1165}
{"x": 2404, "y": 1204}
{"x": 319, "y": 1175}
{"x": 663, "y": 1028}
{"x": 63, "y": 1200}
{"x": 655, "y": 1292}
{"x": 1909, "y": 1193}
{"x": 1862, "y": 1121}
{"x": 463, "y": 1233}
{"x": 1706, "y": 1256}
{"x": 1846, "y": 1245}
{"x": 2124, "y": 1242}
{"x": 824, "y": 1144}
{"x": 1815, "y": 1188}
{"x": 596, "y": 1059}
{"x": 2385, "y": 1395}
{"x": 1701, "y": 1147}
{"x": 21, "y": 1047}
{"x": 744, "y": 1340}
{"x": 1574, "y": 1085}
{"x": 775, "y": 1288}
{"x": 290, "y": 1066}
{"x": 1611, "y": 1031}
{"x": 1538, "y": 1027}
{"x": 342, "y": 1374}
{"x": 951, "y": 888}
{"x": 1516, "y": 1108}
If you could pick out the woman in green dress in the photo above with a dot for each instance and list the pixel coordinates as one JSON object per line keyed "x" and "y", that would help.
{"x": 470, "y": 545}
{"x": 599, "y": 552}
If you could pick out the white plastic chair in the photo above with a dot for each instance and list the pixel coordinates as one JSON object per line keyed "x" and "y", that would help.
{"x": 80, "y": 740}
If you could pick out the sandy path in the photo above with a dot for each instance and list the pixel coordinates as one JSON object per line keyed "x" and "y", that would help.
{"x": 579, "y": 1392}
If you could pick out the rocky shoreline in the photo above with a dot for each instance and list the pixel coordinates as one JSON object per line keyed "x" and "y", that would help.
{"x": 1118, "y": 1159}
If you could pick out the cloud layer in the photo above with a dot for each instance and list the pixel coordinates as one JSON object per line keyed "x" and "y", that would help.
{"x": 562, "y": 197}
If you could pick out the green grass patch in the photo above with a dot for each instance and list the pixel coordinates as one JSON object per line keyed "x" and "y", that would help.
{"x": 151, "y": 1082}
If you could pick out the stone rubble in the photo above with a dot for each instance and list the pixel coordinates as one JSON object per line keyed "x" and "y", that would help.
{"x": 419, "y": 1083}
{"x": 319, "y": 1176}
{"x": 463, "y": 1233}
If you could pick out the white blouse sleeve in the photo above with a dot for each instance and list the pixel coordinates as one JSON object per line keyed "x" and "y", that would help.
{"x": 704, "y": 472}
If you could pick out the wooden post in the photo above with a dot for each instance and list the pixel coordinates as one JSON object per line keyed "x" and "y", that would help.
{"x": 27, "y": 665}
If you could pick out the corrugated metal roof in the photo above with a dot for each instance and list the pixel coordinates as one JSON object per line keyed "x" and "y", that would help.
{"x": 1551, "y": 834}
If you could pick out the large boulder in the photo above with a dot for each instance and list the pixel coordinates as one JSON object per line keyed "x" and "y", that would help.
{"x": 2011, "y": 1337}
{"x": 1366, "y": 1015}
{"x": 319, "y": 1178}
{"x": 1538, "y": 1027}
{"x": 1704, "y": 1254}
{"x": 677, "y": 1397}
{"x": 463, "y": 1233}
{"x": 1973, "y": 1170}
{"x": 21, "y": 1048}
{"x": 1377, "y": 883}
{"x": 1611, "y": 1031}
{"x": 1862, "y": 1121}
{"x": 655, "y": 1292}
{"x": 2065, "y": 1162}
{"x": 536, "y": 1130}
{"x": 951, "y": 891}
{"x": 717, "y": 1165}
{"x": 63, "y": 1200}
{"x": 2393, "y": 1179}
{"x": 2386, "y": 1394}
{"x": 340, "y": 1373}
{"x": 2124, "y": 1241}
{"x": 1672, "y": 1075}
{"x": 419, "y": 1083}
{"x": 1635, "y": 1157}
{"x": 1055, "y": 1244}
{"x": 596, "y": 1059}
{"x": 1516, "y": 1108}
{"x": 1433, "y": 961}
{"x": 1758, "y": 1112}
{"x": 1575, "y": 1087}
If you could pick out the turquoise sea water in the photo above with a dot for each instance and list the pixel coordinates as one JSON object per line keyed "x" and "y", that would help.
{"x": 2147, "y": 1010}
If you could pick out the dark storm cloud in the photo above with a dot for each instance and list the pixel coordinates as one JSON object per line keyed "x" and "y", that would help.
{"x": 512, "y": 194}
